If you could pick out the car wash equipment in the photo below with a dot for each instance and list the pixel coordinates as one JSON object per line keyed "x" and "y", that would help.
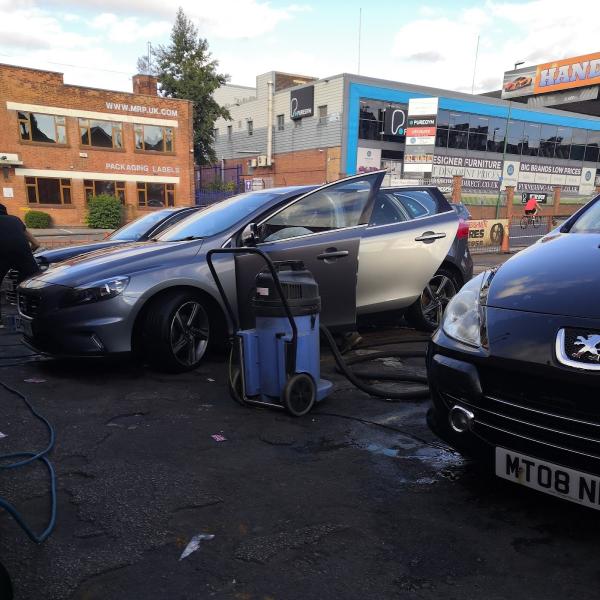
{"x": 279, "y": 359}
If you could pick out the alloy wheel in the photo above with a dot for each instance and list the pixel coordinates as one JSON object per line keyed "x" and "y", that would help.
{"x": 435, "y": 297}
{"x": 189, "y": 333}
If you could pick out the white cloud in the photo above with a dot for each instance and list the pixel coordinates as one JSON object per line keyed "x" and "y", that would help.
{"x": 129, "y": 30}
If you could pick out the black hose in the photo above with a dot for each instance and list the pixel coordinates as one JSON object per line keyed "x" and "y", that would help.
{"x": 25, "y": 458}
{"x": 354, "y": 378}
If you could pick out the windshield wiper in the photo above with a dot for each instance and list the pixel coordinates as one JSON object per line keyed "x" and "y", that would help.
{"x": 188, "y": 238}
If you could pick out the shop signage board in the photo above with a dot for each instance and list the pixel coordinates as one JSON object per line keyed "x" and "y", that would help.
{"x": 302, "y": 102}
{"x": 420, "y": 136}
{"x": 487, "y": 232}
{"x": 395, "y": 121}
{"x": 368, "y": 159}
{"x": 566, "y": 74}
{"x": 489, "y": 175}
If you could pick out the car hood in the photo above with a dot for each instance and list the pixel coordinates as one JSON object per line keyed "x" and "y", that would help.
{"x": 120, "y": 260}
{"x": 60, "y": 254}
{"x": 559, "y": 275}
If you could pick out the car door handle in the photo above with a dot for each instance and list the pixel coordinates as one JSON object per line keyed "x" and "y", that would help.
{"x": 430, "y": 236}
{"x": 333, "y": 254}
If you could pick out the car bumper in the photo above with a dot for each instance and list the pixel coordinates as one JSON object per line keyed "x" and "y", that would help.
{"x": 94, "y": 329}
{"x": 529, "y": 405}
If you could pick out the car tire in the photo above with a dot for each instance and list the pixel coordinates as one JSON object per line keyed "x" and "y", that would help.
{"x": 419, "y": 313}
{"x": 176, "y": 332}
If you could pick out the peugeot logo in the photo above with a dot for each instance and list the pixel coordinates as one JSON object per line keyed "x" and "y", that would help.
{"x": 578, "y": 351}
{"x": 510, "y": 169}
{"x": 588, "y": 175}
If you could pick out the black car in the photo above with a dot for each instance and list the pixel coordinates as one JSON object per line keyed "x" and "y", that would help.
{"x": 515, "y": 367}
{"x": 140, "y": 230}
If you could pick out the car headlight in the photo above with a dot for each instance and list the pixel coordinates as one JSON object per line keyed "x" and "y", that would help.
{"x": 98, "y": 290}
{"x": 462, "y": 318}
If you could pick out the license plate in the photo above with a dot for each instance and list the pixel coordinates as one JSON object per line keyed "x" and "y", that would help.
{"x": 27, "y": 328}
{"x": 548, "y": 477}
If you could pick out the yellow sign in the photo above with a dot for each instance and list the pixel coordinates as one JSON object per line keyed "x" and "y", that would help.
{"x": 487, "y": 232}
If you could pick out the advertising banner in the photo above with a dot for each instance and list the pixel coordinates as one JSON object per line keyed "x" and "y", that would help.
{"x": 420, "y": 135}
{"x": 487, "y": 232}
{"x": 368, "y": 159}
{"x": 527, "y": 196}
{"x": 566, "y": 74}
{"x": 302, "y": 102}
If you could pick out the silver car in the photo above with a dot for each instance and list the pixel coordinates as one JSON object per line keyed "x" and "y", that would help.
{"x": 159, "y": 300}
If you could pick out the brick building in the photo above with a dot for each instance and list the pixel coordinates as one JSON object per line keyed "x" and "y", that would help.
{"x": 60, "y": 143}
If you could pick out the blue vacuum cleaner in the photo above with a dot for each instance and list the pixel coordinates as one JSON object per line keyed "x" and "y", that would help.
{"x": 279, "y": 359}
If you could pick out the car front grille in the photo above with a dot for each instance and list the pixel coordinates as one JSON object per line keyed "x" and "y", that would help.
{"x": 561, "y": 420}
{"x": 29, "y": 304}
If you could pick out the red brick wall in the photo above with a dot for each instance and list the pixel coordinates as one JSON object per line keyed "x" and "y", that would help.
{"x": 31, "y": 86}
{"x": 295, "y": 168}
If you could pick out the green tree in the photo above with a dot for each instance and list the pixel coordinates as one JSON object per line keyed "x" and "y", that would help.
{"x": 185, "y": 69}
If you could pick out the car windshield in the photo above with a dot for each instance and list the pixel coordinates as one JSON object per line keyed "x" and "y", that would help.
{"x": 220, "y": 217}
{"x": 136, "y": 229}
{"x": 589, "y": 221}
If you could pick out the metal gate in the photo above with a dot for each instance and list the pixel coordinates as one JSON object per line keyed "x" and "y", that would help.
{"x": 215, "y": 183}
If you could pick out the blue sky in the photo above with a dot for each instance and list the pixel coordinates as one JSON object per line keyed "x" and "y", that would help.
{"x": 97, "y": 42}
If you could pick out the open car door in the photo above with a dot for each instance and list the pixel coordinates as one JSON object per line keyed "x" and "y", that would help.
{"x": 323, "y": 229}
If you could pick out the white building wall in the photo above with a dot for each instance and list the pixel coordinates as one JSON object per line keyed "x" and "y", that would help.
{"x": 309, "y": 134}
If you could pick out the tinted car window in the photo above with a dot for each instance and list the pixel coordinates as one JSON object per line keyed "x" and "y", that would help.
{"x": 418, "y": 203}
{"x": 387, "y": 210}
{"x": 589, "y": 221}
{"x": 335, "y": 207}
{"x": 220, "y": 217}
{"x": 136, "y": 229}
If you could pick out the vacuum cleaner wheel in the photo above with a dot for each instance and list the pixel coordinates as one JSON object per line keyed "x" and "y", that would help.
{"x": 299, "y": 394}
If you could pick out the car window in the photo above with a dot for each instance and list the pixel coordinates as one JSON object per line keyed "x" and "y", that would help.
{"x": 222, "y": 216}
{"x": 418, "y": 203}
{"x": 335, "y": 207}
{"x": 178, "y": 216}
{"x": 589, "y": 221}
{"x": 387, "y": 210}
{"x": 136, "y": 229}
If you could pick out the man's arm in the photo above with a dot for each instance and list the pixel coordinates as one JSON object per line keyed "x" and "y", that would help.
{"x": 32, "y": 241}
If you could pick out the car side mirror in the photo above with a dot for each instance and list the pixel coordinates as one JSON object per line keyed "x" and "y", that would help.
{"x": 249, "y": 236}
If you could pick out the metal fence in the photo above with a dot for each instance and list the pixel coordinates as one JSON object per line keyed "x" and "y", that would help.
{"x": 526, "y": 230}
{"x": 215, "y": 183}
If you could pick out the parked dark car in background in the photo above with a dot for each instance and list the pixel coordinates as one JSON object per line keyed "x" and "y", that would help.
{"x": 514, "y": 369}
{"x": 371, "y": 250}
{"x": 140, "y": 230}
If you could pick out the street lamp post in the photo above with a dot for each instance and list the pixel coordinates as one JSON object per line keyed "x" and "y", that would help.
{"x": 503, "y": 160}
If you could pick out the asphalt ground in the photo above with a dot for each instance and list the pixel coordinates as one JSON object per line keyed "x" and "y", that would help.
{"x": 358, "y": 500}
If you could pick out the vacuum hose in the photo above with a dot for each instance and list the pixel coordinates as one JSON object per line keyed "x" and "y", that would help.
{"x": 355, "y": 378}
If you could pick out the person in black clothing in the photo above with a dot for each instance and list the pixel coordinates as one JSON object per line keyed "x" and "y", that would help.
{"x": 16, "y": 247}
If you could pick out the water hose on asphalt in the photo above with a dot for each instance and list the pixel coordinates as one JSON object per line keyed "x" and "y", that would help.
{"x": 356, "y": 377}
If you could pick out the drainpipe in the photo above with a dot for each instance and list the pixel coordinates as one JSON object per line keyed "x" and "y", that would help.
{"x": 269, "y": 123}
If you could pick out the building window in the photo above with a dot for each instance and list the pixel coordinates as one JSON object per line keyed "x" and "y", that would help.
{"x": 111, "y": 188}
{"x": 153, "y": 138}
{"x": 280, "y": 122}
{"x": 43, "y": 190}
{"x": 250, "y": 125}
{"x": 215, "y": 133}
{"x": 156, "y": 195}
{"x": 48, "y": 129}
{"x": 101, "y": 134}
{"x": 229, "y": 131}
{"x": 322, "y": 114}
